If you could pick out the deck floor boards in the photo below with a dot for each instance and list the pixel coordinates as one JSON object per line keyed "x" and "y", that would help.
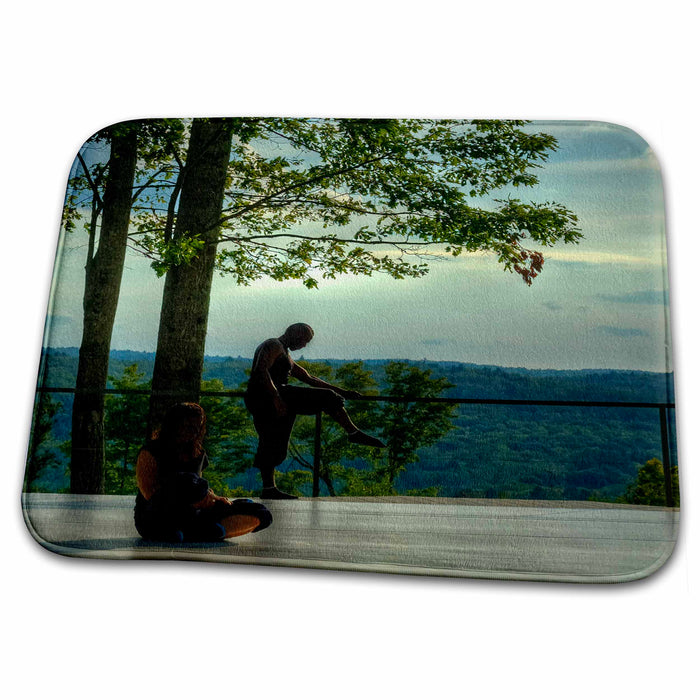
{"x": 476, "y": 539}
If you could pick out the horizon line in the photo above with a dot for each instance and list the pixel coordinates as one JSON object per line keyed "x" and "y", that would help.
{"x": 394, "y": 359}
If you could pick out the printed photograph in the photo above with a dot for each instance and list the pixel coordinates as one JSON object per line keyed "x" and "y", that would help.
{"x": 436, "y": 347}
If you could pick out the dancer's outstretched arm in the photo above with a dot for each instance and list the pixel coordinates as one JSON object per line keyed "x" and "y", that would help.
{"x": 303, "y": 376}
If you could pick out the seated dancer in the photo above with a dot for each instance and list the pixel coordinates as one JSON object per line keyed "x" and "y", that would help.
{"x": 276, "y": 404}
{"x": 174, "y": 503}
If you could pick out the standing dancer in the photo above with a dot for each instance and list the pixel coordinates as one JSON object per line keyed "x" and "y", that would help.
{"x": 275, "y": 404}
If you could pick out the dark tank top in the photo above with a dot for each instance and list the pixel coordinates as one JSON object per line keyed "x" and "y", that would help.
{"x": 279, "y": 372}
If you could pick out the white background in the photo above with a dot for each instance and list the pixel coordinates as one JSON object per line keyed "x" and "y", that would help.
{"x": 81, "y": 629}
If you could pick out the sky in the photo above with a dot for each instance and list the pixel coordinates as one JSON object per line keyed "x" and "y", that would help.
{"x": 602, "y": 303}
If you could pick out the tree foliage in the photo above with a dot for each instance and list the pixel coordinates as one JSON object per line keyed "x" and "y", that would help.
{"x": 230, "y": 437}
{"x": 324, "y": 197}
{"x": 160, "y": 144}
{"x": 42, "y": 454}
{"x": 229, "y": 441}
{"x": 649, "y": 488}
{"x": 125, "y": 418}
{"x": 405, "y": 426}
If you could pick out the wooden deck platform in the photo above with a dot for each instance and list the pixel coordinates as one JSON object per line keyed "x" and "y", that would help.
{"x": 478, "y": 539}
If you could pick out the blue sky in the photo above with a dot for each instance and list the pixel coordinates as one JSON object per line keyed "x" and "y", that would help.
{"x": 599, "y": 304}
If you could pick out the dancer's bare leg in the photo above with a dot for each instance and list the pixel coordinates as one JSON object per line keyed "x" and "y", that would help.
{"x": 275, "y": 450}
{"x": 266, "y": 466}
{"x": 355, "y": 435}
{"x": 237, "y": 525}
{"x": 272, "y": 451}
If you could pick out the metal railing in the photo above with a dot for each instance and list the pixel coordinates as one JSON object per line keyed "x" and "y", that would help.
{"x": 663, "y": 409}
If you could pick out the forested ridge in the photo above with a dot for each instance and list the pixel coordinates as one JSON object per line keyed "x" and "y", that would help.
{"x": 488, "y": 451}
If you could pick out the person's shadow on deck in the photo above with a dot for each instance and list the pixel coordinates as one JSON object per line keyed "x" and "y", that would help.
{"x": 136, "y": 543}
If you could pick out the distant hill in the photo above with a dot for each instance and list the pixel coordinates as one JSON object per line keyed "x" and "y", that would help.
{"x": 493, "y": 451}
{"x": 470, "y": 380}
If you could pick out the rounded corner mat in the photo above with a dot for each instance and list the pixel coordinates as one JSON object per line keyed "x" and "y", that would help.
{"x": 418, "y": 346}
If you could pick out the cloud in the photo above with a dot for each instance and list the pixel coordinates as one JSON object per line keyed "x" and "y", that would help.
{"x": 562, "y": 255}
{"x": 592, "y": 257}
{"x": 588, "y": 167}
{"x": 624, "y": 332}
{"x": 589, "y": 141}
{"x": 647, "y": 297}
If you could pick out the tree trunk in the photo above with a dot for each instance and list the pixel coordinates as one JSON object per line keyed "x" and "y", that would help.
{"x": 177, "y": 371}
{"x": 103, "y": 274}
{"x": 125, "y": 465}
{"x": 328, "y": 481}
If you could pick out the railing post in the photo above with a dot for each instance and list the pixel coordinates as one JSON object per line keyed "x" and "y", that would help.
{"x": 666, "y": 454}
{"x": 317, "y": 457}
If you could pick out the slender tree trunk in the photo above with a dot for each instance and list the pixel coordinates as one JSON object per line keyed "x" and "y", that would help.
{"x": 125, "y": 465}
{"x": 328, "y": 481}
{"x": 103, "y": 274}
{"x": 177, "y": 371}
